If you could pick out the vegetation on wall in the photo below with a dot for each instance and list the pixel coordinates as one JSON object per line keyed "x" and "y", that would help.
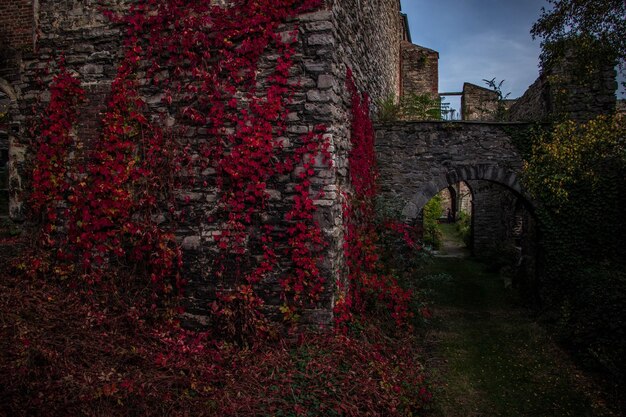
{"x": 89, "y": 316}
{"x": 501, "y": 112}
{"x": 577, "y": 172}
{"x": 411, "y": 107}
{"x": 463, "y": 227}
{"x": 597, "y": 28}
{"x": 368, "y": 286}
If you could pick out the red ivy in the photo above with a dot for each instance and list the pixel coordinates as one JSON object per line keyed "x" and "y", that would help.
{"x": 365, "y": 284}
{"x": 205, "y": 59}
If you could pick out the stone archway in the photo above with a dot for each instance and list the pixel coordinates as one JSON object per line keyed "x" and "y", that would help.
{"x": 492, "y": 173}
{"x": 418, "y": 159}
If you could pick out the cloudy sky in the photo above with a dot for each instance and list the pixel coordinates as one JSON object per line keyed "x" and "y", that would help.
{"x": 479, "y": 39}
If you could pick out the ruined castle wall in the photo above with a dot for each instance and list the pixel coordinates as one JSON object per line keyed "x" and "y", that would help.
{"x": 91, "y": 46}
{"x": 367, "y": 39}
{"x": 567, "y": 91}
{"x": 478, "y": 103}
{"x": 363, "y": 36}
{"x": 418, "y": 159}
{"x": 420, "y": 70}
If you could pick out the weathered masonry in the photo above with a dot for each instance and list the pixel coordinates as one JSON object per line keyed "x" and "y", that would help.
{"x": 419, "y": 159}
{"x": 370, "y": 37}
{"x": 367, "y": 37}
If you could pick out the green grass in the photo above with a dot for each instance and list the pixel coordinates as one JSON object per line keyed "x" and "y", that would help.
{"x": 493, "y": 359}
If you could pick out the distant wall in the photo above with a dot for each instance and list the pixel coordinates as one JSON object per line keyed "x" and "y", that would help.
{"x": 420, "y": 70}
{"x": 494, "y": 212}
{"x": 419, "y": 159}
{"x": 478, "y": 103}
{"x": 566, "y": 91}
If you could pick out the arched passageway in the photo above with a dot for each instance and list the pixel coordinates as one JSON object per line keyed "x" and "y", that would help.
{"x": 420, "y": 159}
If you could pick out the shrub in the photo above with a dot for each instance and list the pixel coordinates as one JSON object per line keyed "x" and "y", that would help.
{"x": 431, "y": 213}
{"x": 464, "y": 227}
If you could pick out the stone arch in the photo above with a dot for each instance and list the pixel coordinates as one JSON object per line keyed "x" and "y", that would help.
{"x": 494, "y": 173}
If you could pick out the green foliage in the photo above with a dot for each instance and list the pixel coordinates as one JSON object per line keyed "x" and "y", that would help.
{"x": 603, "y": 21}
{"x": 525, "y": 136}
{"x": 388, "y": 109}
{"x": 497, "y": 87}
{"x": 413, "y": 107}
{"x": 421, "y": 107}
{"x": 577, "y": 160}
{"x": 464, "y": 227}
{"x": 577, "y": 173}
{"x": 432, "y": 232}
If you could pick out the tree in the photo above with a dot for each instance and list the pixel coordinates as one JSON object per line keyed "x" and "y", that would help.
{"x": 497, "y": 87}
{"x": 601, "y": 20}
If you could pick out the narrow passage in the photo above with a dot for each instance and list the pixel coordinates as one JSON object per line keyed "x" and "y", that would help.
{"x": 489, "y": 357}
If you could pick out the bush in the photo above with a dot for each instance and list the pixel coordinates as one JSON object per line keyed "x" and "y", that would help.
{"x": 432, "y": 232}
{"x": 577, "y": 171}
{"x": 464, "y": 227}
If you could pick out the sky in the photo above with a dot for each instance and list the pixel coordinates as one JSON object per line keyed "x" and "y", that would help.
{"x": 479, "y": 39}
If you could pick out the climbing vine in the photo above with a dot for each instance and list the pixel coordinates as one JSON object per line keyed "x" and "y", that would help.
{"x": 53, "y": 165}
{"x": 122, "y": 206}
{"x": 367, "y": 285}
{"x": 195, "y": 132}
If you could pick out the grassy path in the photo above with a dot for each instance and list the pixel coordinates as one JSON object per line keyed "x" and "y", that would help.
{"x": 490, "y": 357}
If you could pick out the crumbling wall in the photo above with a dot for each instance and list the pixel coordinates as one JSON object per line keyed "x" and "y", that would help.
{"x": 566, "y": 90}
{"x": 479, "y": 103}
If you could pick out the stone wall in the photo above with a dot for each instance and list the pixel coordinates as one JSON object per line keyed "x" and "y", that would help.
{"x": 92, "y": 47}
{"x": 367, "y": 40}
{"x": 493, "y": 218}
{"x": 16, "y": 24}
{"x": 478, "y": 103}
{"x": 363, "y": 36}
{"x": 420, "y": 70}
{"x": 480, "y": 162}
{"x": 566, "y": 91}
{"x": 464, "y": 198}
{"x": 418, "y": 159}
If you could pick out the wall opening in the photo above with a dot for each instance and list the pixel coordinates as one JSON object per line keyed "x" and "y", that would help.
{"x": 495, "y": 224}
{"x": 452, "y": 206}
